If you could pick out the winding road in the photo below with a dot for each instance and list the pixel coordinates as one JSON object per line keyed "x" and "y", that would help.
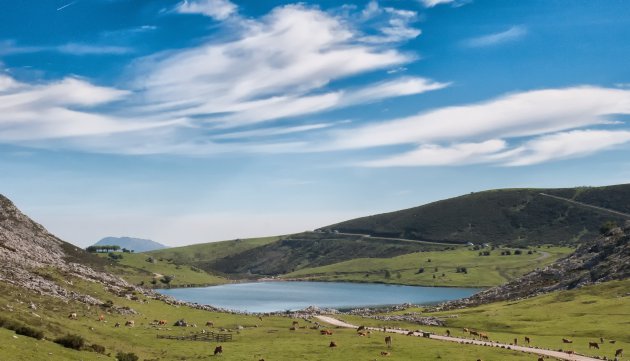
{"x": 537, "y": 351}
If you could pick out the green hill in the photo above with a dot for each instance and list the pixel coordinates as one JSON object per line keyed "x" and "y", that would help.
{"x": 506, "y": 216}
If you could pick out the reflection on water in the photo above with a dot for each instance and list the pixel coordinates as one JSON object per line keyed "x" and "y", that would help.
{"x": 281, "y": 296}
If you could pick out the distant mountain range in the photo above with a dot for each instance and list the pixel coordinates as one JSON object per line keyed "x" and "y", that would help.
{"x": 505, "y": 216}
{"x": 130, "y": 243}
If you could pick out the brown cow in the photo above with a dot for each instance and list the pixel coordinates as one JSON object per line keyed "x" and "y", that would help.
{"x": 619, "y": 353}
{"x": 326, "y": 332}
{"x": 388, "y": 341}
{"x": 209, "y": 323}
{"x": 566, "y": 340}
{"x": 385, "y": 353}
{"x": 101, "y": 318}
{"x": 527, "y": 340}
{"x": 332, "y": 344}
{"x": 466, "y": 330}
{"x": 218, "y": 350}
{"x": 295, "y": 323}
{"x": 448, "y": 333}
{"x": 483, "y": 335}
{"x": 410, "y": 333}
{"x": 593, "y": 345}
{"x": 162, "y": 322}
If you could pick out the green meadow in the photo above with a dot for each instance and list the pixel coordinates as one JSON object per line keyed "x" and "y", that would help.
{"x": 438, "y": 268}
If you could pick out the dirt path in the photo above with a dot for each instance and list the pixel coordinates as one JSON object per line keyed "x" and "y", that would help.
{"x": 587, "y": 205}
{"x": 537, "y": 351}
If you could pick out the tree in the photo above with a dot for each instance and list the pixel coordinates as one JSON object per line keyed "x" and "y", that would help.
{"x": 167, "y": 279}
{"x": 607, "y": 227}
{"x": 388, "y": 274}
{"x": 420, "y": 270}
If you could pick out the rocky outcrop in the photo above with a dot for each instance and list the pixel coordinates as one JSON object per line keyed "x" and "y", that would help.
{"x": 604, "y": 259}
{"x": 28, "y": 252}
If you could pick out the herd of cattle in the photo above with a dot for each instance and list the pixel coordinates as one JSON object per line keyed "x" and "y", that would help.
{"x": 361, "y": 331}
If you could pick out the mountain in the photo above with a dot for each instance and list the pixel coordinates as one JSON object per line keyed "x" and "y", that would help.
{"x": 29, "y": 256}
{"x": 135, "y": 244}
{"x": 507, "y": 216}
{"x": 604, "y": 259}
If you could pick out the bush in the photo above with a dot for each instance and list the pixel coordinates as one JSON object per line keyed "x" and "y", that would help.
{"x": 71, "y": 341}
{"x": 21, "y": 329}
{"x": 122, "y": 356}
{"x": 98, "y": 348}
{"x": 420, "y": 270}
{"x": 607, "y": 227}
{"x": 29, "y": 332}
{"x": 518, "y": 252}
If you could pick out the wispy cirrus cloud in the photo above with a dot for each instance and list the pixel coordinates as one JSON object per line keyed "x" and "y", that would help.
{"x": 79, "y": 49}
{"x": 492, "y": 132}
{"x": 512, "y": 34}
{"x": 434, "y": 3}
{"x": 395, "y": 26}
{"x": 216, "y": 9}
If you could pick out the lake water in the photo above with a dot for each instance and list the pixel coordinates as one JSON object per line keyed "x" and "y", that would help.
{"x": 281, "y": 296}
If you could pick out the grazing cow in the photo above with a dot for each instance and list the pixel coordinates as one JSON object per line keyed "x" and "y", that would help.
{"x": 72, "y": 316}
{"x": 362, "y": 334}
{"x": 388, "y": 341}
{"x": 474, "y": 333}
{"x": 527, "y": 340}
{"x": 218, "y": 350}
{"x": 466, "y": 330}
{"x": 619, "y": 353}
{"x": 260, "y": 318}
{"x": 326, "y": 332}
{"x": 292, "y": 328}
{"x": 295, "y": 323}
{"x": 410, "y": 333}
{"x": 130, "y": 323}
{"x": 332, "y": 344}
{"x": 385, "y": 353}
{"x": 210, "y": 324}
{"x": 117, "y": 324}
{"x": 612, "y": 341}
{"x": 601, "y": 339}
{"x": 162, "y": 322}
{"x": 483, "y": 335}
{"x": 593, "y": 345}
{"x": 448, "y": 333}
{"x": 101, "y": 318}
{"x": 566, "y": 340}
{"x": 361, "y": 328}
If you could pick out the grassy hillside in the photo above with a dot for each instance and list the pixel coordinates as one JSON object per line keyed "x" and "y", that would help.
{"x": 438, "y": 268}
{"x": 294, "y": 252}
{"x": 507, "y": 216}
{"x": 270, "y": 338}
{"x": 141, "y": 268}
{"x": 582, "y": 315}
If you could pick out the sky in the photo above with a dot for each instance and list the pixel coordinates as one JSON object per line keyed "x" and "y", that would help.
{"x": 205, "y": 120}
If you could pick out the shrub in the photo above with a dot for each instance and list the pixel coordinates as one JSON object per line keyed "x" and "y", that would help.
{"x": 98, "y": 348}
{"x": 122, "y": 356}
{"x": 518, "y": 252}
{"x": 420, "y": 270}
{"x": 607, "y": 227}
{"x": 29, "y": 332}
{"x": 71, "y": 341}
{"x": 388, "y": 274}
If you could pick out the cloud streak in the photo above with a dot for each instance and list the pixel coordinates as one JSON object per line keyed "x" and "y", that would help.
{"x": 512, "y": 34}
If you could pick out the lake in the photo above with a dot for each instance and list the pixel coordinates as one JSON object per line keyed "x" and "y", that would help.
{"x": 281, "y": 296}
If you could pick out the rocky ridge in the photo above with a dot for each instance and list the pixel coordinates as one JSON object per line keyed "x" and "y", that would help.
{"x": 27, "y": 250}
{"x": 604, "y": 259}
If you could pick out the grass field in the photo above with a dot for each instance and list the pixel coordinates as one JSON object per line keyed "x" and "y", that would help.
{"x": 482, "y": 271}
{"x": 205, "y": 252}
{"x": 270, "y": 338}
{"x": 583, "y": 315}
{"x": 135, "y": 268}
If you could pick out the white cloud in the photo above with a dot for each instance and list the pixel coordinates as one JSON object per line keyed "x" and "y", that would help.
{"x": 432, "y": 3}
{"x": 278, "y": 67}
{"x": 57, "y": 110}
{"x": 436, "y": 155}
{"x": 216, "y": 9}
{"x": 396, "y": 27}
{"x": 512, "y": 34}
{"x": 86, "y": 49}
{"x": 572, "y": 144}
{"x": 517, "y": 115}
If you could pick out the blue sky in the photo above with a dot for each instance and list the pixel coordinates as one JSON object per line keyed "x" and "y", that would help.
{"x": 204, "y": 120}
